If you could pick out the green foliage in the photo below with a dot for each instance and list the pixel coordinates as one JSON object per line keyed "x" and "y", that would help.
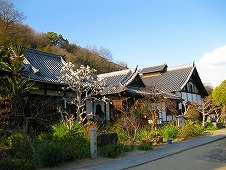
{"x": 219, "y": 94}
{"x": 12, "y": 66}
{"x": 12, "y": 84}
{"x": 49, "y": 154}
{"x": 62, "y": 145}
{"x": 20, "y": 146}
{"x": 57, "y": 40}
{"x": 16, "y": 164}
{"x": 117, "y": 128}
{"x": 15, "y": 88}
{"x": 210, "y": 127}
{"x": 144, "y": 133}
{"x": 128, "y": 148}
{"x": 190, "y": 129}
{"x": 145, "y": 146}
{"x": 111, "y": 150}
{"x": 20, "y": 152}
{"x": 170, "y": 132}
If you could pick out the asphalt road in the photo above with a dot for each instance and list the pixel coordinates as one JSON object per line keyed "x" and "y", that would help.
{"x": 211, "y": 156}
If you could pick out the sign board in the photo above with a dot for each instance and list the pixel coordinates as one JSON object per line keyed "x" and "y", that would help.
{"x": 117, "y": 104}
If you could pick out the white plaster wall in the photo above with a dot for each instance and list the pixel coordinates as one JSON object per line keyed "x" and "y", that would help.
{"x": 199, "y": 98}
{"x": 170, "y": 117}
{"x": 184, "y": 96}
{"x": 189, "y": 97}
{"x": 88, "y": 106}
{"x": 194, "y": 97}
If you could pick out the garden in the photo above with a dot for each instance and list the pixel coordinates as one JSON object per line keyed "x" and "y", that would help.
{"x": 24, "y": 145}
{"x": 49, "y": 149}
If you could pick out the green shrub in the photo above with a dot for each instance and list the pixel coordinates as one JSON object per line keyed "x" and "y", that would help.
{"x": 16, "y": 164}
{"x": 144, "y": 134}
{"x": 70, "y": 143}
{"x": 190, "y": 129}
{"x": 122, "y": 136}
{"x": 170, "y": 132}
{"x": 145, "y": 146}
{"x": 117, "y": 128}
{"x": 73, "y": 141}
{"x": 111, "y": 150}
{"x": 20, "y": 146}
{"x": 209, "y": 126}
{"x": 128, "y": 148}
{"x": 49, "y": 154}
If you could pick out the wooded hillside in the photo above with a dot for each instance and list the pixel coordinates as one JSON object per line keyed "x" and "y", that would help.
{"x": 12, "y": 30}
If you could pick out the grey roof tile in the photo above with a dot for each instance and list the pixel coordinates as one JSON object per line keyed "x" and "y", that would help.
{"x": 172, "y": 80}
{"x": 117, "y": 81}
{"x": 153, "y": 69}
{"x": 43, "y": 66}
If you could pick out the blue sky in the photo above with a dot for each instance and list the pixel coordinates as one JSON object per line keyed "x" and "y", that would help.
{"x": 138, "y": 32}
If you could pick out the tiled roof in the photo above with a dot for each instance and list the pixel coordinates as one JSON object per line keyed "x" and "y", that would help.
{"x": 139, "y": 91}
{"x": 43, "y": 66}
{"x": 46, "y": 67}
{"x": 172, "y": 80}
{"x": 153, "y": 69}
{"x": 117, "y": 81}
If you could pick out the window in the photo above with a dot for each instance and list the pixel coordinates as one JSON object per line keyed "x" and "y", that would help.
{"x": 190, "y": 88}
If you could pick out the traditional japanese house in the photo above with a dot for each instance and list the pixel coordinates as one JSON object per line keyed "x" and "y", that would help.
{"x": 123, "y": 87}
{"x": 44, "y": 69}
{"x": 183, "y": 81}
{"x": 120, "y": 86}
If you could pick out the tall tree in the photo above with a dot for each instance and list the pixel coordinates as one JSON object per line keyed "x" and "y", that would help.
{"x": 209, "y": 88}
{"x": 85, "y": 84}
{"x": 9, "y": 14}
{"x": 8, "y": 17}
{"x": 13, "y": 86}
{"x": 219, "y": 97}
{"x": 219, "y": 94}
{"x": 57, "y": 40}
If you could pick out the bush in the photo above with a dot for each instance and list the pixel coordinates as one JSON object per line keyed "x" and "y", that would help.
{"x": 70, "y": 144}
{"x": 170, "y": 132}
{"x": 73, "y": 142}
{"x": 49, "y": 154}
{"x": 16, "y": 164}
{"x": 128, "y": 148}
{"x": 145, "y": 146}
{"x": 190, "y": 129}
{"x": 144, "y": 134}
{"x": 111, "y": 150}
{"x": 117, "y": 128}
{"x": 20, "y": 145}
{"x": 209, "y": 126}
{"x": 193, "y": 114}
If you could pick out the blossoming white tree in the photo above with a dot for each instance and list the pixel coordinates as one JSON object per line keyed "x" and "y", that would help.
{"x": 85, "y": 84}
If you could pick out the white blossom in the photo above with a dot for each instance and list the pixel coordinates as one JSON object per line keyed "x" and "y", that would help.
{"x": 84, "y": 83}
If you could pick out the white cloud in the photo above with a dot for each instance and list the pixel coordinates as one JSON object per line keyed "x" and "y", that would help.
{"x": 212, "y": 66}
